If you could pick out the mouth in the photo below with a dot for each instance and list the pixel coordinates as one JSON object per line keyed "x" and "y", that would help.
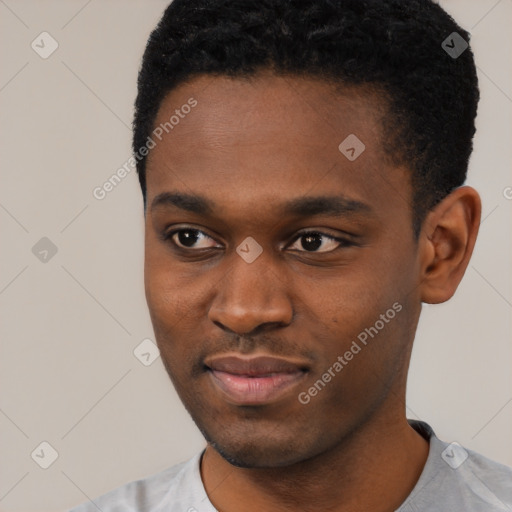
{"x": 255, "y": 380}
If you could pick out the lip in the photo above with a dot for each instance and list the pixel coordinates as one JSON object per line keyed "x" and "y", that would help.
{"x": 255, "y": 380}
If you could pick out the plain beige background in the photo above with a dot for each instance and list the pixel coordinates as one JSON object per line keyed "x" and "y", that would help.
{"x": 70, "y": 325}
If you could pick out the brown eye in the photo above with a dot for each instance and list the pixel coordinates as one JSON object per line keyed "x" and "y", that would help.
{"x": 188, "y": 238}
{"x": 312, "y": 241}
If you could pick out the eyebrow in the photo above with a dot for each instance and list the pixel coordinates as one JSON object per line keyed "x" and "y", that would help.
{"x": 190, "y": 202}
{"x": 333, "y": 206}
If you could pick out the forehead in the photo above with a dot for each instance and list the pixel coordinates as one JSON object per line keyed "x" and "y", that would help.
{"x": 271, "y": 137}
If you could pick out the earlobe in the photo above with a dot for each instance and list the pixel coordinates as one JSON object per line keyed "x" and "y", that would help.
{"x": 446, "y": 243}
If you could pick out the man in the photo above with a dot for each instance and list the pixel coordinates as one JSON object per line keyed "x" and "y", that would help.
{"x": 302, "y": 167}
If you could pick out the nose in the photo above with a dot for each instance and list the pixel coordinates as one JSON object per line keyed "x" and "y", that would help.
{"x": 251, "y": 297}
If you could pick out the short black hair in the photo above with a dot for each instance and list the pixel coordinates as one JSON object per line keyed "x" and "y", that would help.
{"x": 392, "y": 46}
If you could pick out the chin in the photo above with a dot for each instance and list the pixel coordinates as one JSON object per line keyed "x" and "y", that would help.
{"x": 260, "y": 451}
{"x": 253, "y": 458}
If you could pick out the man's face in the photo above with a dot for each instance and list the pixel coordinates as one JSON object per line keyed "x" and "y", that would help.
{"x": 259, "y": 153}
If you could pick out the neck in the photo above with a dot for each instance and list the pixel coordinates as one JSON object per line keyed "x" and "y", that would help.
{"x": 375, "y": 469}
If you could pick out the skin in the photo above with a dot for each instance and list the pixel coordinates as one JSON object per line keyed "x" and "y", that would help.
{"x": 249, "y": 146}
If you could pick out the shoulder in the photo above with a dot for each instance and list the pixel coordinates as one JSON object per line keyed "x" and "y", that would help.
{"x": 487, "y": 480}
{"x": 149, "y": 493}
{"x": 459, "y": 479}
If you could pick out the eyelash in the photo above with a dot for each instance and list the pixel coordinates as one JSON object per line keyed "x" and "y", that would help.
{"x": 343, "y": 242}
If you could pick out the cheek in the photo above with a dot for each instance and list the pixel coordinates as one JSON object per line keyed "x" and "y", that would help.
{"x": 163, "y": 281}
{"x": 171, "y": 304}
{"x": 165, "y": 299}
{"x": 367, "y": 308}
{"x": 344, "y": 302}
{"x": 177, "y": 299}
{"x": 173, "y": 315}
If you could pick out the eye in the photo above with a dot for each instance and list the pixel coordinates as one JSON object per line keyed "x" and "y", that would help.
{"x": 307, "y": 241}
{"x": 312, "y": 241}
{"x": 189, "y": 238}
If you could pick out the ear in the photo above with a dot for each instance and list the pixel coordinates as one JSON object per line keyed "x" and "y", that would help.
{"x": 447, "y": 239}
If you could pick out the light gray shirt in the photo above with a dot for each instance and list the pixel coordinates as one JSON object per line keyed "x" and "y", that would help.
{"x": 454, "y": 479}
